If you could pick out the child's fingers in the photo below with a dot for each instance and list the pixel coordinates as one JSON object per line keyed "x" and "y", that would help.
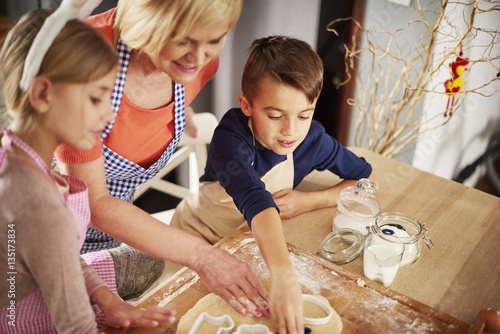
{"x": 148, "y": 317}
{"x": 280, "y": 193}
{"x": 125, "y": 323}
{"x": 289, "y": 325}
{"x": 160, "y": 314}
{"x": 299, "y": 324}
{"x": 161, "y": 310}
{"x": 143, "y": 322}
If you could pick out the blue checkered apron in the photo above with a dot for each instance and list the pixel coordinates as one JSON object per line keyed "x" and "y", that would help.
{"x": 124, "y": 176}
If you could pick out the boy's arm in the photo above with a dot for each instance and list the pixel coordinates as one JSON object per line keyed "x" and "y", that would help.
{"x": 285, "y": 299}
{"x": 292, "y": 202}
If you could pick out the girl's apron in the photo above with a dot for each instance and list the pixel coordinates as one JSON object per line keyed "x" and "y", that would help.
{"x": 124, "y": 176}
{"x": 32, "y": 315}
{"x": 212, "y": 214}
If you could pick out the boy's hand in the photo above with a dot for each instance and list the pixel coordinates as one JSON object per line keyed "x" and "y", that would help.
{"x": 286, "y": 303}
{"x": 292, "y": 202}
{"x": 234, "y": 281}
{"x": 121, "y": 314}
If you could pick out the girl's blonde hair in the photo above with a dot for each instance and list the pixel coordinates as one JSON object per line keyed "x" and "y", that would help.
{"x": 148, "y": 25}
{"x": 78, "y": 54}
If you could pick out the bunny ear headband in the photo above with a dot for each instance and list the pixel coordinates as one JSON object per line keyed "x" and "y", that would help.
{"x": 68, "y": 10}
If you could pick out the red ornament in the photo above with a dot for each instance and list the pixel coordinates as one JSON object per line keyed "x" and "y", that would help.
{"x": 455, "y": 84}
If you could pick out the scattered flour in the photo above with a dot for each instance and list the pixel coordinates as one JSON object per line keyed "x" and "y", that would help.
{"x": 370, "y": 307}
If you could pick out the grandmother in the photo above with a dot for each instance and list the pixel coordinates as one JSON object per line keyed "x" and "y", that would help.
{"x": 168, "y": 50}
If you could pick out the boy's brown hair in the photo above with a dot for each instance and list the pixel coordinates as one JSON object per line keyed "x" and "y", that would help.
{"x": 285, "y": 60}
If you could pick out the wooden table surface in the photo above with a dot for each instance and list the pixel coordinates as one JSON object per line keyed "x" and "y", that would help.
{"x": 460, "y": 276}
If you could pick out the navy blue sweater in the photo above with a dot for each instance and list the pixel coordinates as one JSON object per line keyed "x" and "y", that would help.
{"x": 237, "y": 164}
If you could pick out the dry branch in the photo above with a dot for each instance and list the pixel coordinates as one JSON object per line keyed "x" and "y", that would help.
{"x": 395, "y": 71}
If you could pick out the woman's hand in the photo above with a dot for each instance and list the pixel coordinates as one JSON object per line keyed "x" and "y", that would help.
{"x": 233, "y": 280}
{"x": 121, "y": 314}
{"x": 286, "y": 303}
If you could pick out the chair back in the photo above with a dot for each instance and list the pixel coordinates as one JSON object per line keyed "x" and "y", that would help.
{"x": 193, "y": 150}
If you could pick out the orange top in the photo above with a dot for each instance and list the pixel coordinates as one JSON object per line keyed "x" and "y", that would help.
{"x": 139, "y": 135}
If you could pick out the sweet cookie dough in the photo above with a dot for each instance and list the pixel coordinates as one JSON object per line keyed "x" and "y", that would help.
{"x": 216, "y": 307}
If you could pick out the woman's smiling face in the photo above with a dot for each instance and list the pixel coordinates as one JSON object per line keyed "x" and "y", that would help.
{"x": 183, "y": 59}
{"x": 281, "y": 116}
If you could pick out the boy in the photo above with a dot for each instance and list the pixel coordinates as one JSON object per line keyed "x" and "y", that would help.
{"x": 259, "y": 153}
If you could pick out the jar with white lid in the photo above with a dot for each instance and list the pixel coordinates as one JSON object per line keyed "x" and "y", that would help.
{"x": 409, "y": 231}
{"x": 357, "y": 207}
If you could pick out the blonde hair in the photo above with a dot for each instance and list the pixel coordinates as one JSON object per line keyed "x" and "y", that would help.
{"x": 78, "y": 54}
{"x": 148, "y": 25}
{"x": 284, "y": 60}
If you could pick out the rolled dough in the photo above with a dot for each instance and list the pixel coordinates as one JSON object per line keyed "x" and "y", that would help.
{"x": 216, "y": 307}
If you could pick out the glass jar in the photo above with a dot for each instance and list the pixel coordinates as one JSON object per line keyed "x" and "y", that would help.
{"x": 342, "y": 246}
{"x": 408, "y": 229}
{"x": 357, "y": 207}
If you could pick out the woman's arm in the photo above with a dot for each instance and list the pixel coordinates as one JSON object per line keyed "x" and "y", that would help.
{"x": 285, "y": 298}
{"x": 128, "y": 223}
{"x": 293, "y": 202}
{"x": 125, "y": 221}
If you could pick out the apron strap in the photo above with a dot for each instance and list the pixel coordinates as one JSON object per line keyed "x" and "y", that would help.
{"x": 12, "y": 139}
{"x": 123, "y": 52}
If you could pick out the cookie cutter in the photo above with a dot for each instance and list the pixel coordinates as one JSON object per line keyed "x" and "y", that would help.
{"x": 224, "y": 320}
{"x": 322, "y": 305}
{"x": 253, "y": 329}
{"x": 228, "y": 322}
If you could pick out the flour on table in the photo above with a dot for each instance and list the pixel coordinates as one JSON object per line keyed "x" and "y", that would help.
{"x": 216, "y": 307}
{"x": 360, "y": 282}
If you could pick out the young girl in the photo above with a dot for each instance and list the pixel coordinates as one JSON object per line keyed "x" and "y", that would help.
{"x": 58, "y": 74}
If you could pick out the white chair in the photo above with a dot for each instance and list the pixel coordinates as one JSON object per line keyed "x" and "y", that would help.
{"x": 193, "y": 150}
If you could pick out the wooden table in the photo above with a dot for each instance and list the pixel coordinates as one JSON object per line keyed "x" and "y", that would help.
{"x": 458, "y": 278}
{"x": 461, "y": 275}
